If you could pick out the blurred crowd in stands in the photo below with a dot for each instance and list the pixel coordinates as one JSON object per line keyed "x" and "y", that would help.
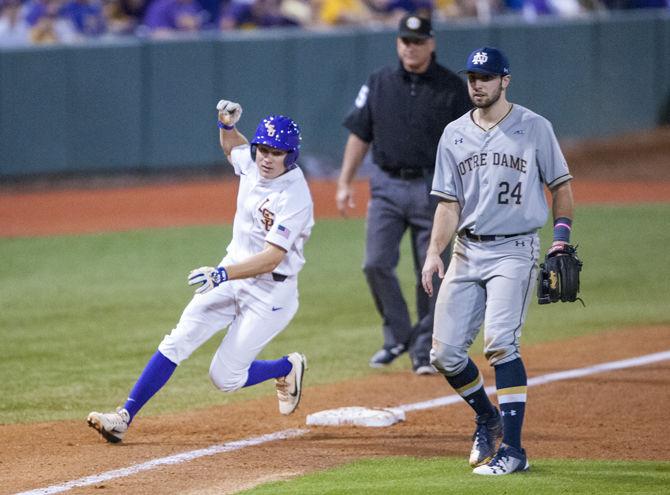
{"x": 68, "y": 21}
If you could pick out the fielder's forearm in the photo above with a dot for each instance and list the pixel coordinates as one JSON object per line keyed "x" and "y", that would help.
{"x": 264, "y": 262}
{"x": 445, "y": 222}
{"x": 562, "y": 202}
{"x": 354, "y": 153}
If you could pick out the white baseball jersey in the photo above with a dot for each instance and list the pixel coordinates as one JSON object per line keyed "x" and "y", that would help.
{"x": 279, "y": 211}
{"x": 497, "y": 176}
{"x": 257, "y": 309}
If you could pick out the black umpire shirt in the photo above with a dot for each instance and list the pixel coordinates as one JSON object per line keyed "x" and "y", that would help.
{"x": 404, "y": 114}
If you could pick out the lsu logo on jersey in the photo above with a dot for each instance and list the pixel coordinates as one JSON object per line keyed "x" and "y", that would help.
{"x": 267, "y": 216}
{"x": 480, "y": 58}
{"x": 270, "y": 128}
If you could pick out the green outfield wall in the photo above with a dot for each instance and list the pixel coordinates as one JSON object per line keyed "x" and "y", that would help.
{"x": 137, "y": 104}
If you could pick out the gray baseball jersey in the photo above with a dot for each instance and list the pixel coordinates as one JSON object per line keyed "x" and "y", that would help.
{"x": 497, "y": 176}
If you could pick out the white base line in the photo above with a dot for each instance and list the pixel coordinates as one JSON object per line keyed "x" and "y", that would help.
{"x": 293, "y": 433}
{"x": 543, "y": 379}
{"x": 163, "y": 461}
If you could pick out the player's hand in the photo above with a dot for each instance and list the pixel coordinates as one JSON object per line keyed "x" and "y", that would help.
{"x": 557, "y": 247}
{"x": 209, "y": 277}
{"x": 229, "y": 112}
{"x": 433, "y": 264}
{"x": 344, "y": 198}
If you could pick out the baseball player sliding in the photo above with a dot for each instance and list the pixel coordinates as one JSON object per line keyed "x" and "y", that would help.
{"x": 253, "y": 291}
{"x": 490, "y": 170}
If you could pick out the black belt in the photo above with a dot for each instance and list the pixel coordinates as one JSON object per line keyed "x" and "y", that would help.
{"x": 407, "y": 173}
{"x": 485, "y": 238}
{"x": 278, "y": 277}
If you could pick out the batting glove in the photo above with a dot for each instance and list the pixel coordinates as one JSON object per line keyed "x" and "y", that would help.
{"x": 209, "y": 277}
{"x": 229, "y": 112}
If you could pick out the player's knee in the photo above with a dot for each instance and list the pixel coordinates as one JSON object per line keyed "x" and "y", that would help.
{"x": 500, "y": 355}
{"x": 448, "y": 360}
{"x": 225, "y": 379}
{"x": 226, "y": 383}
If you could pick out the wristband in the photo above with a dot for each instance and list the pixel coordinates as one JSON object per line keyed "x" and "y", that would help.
{"x": 221, "y": 125}
{"x": 562, "y": 229}
{"x": 219, "y": 275}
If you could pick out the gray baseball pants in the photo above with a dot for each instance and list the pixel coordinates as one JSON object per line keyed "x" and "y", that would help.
{"x": 395, "y": 206}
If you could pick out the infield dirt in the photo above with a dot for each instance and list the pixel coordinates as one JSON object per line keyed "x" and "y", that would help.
{"x": 615, "y": 415}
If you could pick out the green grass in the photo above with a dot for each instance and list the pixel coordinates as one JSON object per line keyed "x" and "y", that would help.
{"x": 624, "y": 276}
{"x": 80, "y": 315}
{"x": 406, "y": 476}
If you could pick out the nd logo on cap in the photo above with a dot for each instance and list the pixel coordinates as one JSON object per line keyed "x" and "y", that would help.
{"x": 487, "y": 60}
{"x": 480, "y": 58}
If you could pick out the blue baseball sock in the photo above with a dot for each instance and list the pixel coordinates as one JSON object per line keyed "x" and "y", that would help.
{"x": 259, "y": 371}
{"x": 156, "y": 373}
{"x": 469, "y": 384}
{"x": 511, "y": 385}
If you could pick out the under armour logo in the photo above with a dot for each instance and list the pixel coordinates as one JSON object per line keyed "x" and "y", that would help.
{"x": 511, "y": 412}
{"x": 519, "y": 131}
{"x": 521, "y": 243}
{"x": 458, "y": 140}
{"x": 480, "y": 58}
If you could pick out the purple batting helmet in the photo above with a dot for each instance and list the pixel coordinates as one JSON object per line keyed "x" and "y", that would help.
{"x": 280, "y": 132}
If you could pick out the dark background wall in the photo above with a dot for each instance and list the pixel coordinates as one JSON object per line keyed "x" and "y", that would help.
{"x": 150, "y": 105}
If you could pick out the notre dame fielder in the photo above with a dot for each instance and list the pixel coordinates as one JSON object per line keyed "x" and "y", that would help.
{"x": 490, "y": 170}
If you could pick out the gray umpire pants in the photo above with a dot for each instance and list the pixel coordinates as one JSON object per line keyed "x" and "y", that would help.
{"x": 395, "y": 206}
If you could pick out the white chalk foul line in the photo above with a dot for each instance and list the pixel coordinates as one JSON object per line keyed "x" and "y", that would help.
{"x": 543, "y": 379}
{"x": 164, "y": 461}
{"x": 282, "y": 435}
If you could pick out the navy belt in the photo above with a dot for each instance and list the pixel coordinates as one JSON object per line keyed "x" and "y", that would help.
{"x": 407, "y": 173}
{"x": 278, "y": 277}
{"x": 485, "y": 238}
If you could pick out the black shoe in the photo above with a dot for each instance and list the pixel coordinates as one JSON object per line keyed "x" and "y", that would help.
{"x": 385, "y": 357}
{"x": 422, "y": 366}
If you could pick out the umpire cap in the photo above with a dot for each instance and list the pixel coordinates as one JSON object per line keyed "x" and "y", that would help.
{"x": 487, "y": 60}
{"x": 415, "y": 27}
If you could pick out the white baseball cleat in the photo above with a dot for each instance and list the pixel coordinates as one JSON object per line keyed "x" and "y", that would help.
{"x": 112, "y": 426}
{"x": 507, "y": 460}
{"x": 289, "y": 387}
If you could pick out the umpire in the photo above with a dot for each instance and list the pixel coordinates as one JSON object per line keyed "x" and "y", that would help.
{"x": 402, "y": 112}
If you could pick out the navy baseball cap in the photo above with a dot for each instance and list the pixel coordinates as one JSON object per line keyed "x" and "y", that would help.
{"x": 487, "y": 60}
{"x": 415, "y": 27}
